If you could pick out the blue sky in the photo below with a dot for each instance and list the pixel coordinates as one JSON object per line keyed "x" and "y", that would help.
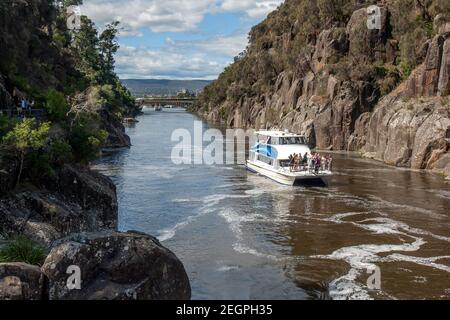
{"x": 178, "y": 39}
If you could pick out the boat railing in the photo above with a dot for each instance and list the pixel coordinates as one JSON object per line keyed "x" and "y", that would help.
{"x": 305, "y": 168}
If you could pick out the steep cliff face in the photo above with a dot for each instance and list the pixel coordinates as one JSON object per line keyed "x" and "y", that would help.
{"x": 317, "y": 69}
{"x": 411, "y": 126}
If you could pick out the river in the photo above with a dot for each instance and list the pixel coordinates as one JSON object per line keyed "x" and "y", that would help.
{"x": 375, "y": 232}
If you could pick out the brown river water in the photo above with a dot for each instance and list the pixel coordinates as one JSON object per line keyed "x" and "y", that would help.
{"x": 242, "y": 236}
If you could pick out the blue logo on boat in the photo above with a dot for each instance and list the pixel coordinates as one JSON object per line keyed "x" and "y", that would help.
{"x": 266, "y": 150}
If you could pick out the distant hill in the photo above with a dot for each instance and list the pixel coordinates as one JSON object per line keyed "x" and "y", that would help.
{"x": 161, "y": 86}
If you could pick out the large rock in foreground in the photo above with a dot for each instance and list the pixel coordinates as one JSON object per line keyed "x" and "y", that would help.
{"x": 20, "y": 281}
{"x": 116, "y": 266}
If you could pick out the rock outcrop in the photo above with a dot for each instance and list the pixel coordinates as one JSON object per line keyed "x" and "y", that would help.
{"x": 74, "y": 200}
{"x": 411, "y": 126}
{"x": 19, "y": 281}
{"x": 124, "y": 266}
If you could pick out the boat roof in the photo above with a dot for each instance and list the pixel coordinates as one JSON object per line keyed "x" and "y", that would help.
{"x": 278, "y": 133}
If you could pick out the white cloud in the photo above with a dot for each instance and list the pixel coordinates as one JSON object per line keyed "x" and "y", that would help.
{"x": 228, "y": 46}
{"x": 145, "y": 64}
{"x": 253, "y": 8}
{"x": 169, "y": 15}
{"x": 159, "y": 16}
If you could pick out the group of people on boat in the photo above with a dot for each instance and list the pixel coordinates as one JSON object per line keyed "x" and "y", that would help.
{"x": 312, "y": 162}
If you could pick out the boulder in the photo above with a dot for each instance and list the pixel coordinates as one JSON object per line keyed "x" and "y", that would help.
{"x": 20, "y": 281}
{"x": 116, "y": 266}
{"x": 91, "y": 190}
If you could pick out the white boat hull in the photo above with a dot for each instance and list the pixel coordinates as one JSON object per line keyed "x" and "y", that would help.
{"x": 287, "y": 177}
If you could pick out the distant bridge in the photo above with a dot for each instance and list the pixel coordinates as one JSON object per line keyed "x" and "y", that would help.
{"x": 166, "y": 101}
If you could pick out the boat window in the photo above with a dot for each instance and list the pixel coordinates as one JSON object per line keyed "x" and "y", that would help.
{"x": 262, "y": 139}
{"x": 274, "y": 141}
{"x": 292, "y": 140}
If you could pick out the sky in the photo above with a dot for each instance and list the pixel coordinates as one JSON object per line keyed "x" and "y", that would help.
{"x": 178, "y": 39}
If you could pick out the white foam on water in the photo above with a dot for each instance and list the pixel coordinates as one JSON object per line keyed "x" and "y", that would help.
{"x": 428, "y": 262}
{"x": 231, "y": 185}
{"x": 182, "y": 200}
{"x": 392, "y": 225}
{"x": 338, "y": 218}
{"x": 228, "y": 268}
{"x": 235, "y": 221}
{"x": 420, "y": 279}
{"x": 361, "y": 259}
{"x": 169, "y": 233}
{"x": 209, "y": 204}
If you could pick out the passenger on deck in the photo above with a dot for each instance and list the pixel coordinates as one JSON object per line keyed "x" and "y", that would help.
{"x": 291, "y": 162}
{"x": 317, "y": 163}
{"x": 330, "y": 163}
{"x": 297, "y": 162}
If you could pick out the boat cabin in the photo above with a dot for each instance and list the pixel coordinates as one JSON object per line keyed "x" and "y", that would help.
{"x": 280, "y": 138}
{"x": 275, "y": 147}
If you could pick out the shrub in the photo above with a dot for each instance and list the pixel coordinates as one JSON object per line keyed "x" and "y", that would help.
{"x": 86, "y": 138}
{"x": 23, "y": 250}
{"x": 39, "y": 166}
{"x": 25, "y": 137}
{"x": 406, "y": 69}
{"x": 61, "y": 152}
{"x": 56, "y": 105}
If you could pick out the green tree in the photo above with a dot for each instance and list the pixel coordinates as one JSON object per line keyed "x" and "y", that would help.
{"x": 85, "y": 50}
{"x": 108, "y": 47}
{"x": 56, "y": 105}
{"x": 86, "y": 138}
{"x": 26, "y": 136}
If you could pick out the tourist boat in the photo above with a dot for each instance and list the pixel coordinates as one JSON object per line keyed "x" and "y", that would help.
{"x": 158, "y": 108}
{"x": 270, "y": 157}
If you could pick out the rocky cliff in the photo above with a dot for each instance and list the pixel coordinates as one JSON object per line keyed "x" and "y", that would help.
{"x": 317, "y": 69}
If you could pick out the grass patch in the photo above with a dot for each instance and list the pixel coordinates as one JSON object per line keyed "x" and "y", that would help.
{"x": 23, "y": 250}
